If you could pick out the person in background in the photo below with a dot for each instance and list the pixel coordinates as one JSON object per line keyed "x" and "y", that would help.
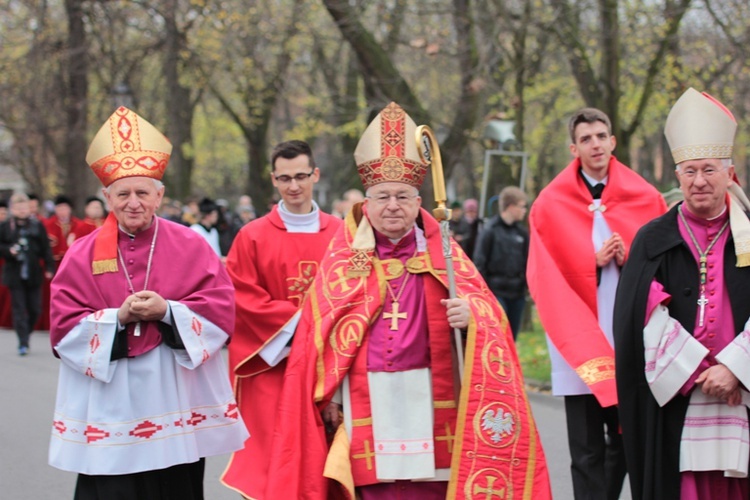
{"x": 190, "y": 212}
{"x": 467, "y": 229}
{"x": 35, "y": 208}
{"x": 172, "y": 211}
{"x": 140, "y": 311}
{"x": 501, "y": 252}
{"x": 3, "y": 211}
{"x": 25, "y": 247}
{"x": 63, "y": 228}
{"x": 456, "y": 214}
{"x": 290, "y": 240}
{"x": 95, "y": 212}
{"x": 206, "y": 226}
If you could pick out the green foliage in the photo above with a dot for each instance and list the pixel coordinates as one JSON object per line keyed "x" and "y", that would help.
{"x": 533, "y": 354}
{"x": 270, "y": 70}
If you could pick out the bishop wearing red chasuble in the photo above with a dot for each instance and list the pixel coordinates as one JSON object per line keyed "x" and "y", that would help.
{"x": 272, "y": 262}
{"x": 374, "y": 344}
{"x": 142, "y": 394}
{"x": 581, "y": 227}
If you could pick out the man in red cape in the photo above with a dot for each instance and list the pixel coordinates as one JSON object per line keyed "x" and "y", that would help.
{"x": 272, "y": 262}
{"x": 375, "y": 340}
{"x": 581, "y": 227}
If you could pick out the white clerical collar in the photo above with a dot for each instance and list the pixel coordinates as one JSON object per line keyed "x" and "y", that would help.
{"x": 720, "y": 214}
{"x": 421, "y": 240}
{"x": 592, "y": 181}
{"x": 300, "y": 223}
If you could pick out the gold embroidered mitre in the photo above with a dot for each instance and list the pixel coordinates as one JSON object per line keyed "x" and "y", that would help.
{"x": 128, "y": 146}
{"x": 387, "y": 151}
{"x": 699, "y": 127}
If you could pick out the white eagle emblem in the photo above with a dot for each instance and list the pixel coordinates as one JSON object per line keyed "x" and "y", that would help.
{"x": 498, "y": 424}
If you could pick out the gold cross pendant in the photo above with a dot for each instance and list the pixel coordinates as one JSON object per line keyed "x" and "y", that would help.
{"x": 394, "y": 315}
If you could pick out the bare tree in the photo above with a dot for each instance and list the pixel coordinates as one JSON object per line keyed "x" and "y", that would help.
{"x": 603, "y": 88}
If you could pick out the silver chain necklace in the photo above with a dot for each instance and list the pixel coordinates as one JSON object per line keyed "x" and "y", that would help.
{"x": 137, "y": 332}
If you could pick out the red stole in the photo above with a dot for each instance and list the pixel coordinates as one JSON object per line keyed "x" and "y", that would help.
{"x": 489, "y": 427}
{"x": 561, "y": 269}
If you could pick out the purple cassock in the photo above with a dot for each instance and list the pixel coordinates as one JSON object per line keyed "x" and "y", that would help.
{"x": 154, "y": 405}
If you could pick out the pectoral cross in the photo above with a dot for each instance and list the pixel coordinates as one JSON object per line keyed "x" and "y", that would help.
{"x": 137, "y": 331}
{"x": 702, "y": 302}
{"x": 394, "y": 315}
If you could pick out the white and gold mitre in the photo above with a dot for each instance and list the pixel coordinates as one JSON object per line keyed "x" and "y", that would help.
{"x": 698, "y": 127}
{"x": 128, "y": 146}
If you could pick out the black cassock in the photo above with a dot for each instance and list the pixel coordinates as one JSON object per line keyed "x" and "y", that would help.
{"x": 651, "y": 434}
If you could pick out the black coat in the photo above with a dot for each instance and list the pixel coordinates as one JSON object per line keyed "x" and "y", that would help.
{"x": 38, "y": 249}
{"x": 500, "y": 256}
{"x": 651, "y": 434}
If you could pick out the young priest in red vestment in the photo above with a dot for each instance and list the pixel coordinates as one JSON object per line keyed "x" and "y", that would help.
{"x": 272, "y": 262}
{"x": 143, "y": 394}
{"x": 682, "y": 334}
{"x": 374, "y": 343}
{"x": 581, "y": 227}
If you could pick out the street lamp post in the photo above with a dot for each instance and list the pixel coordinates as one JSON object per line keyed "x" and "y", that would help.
{"x": 122, "y": 95}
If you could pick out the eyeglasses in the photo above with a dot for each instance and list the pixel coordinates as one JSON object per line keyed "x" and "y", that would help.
{"x": 692, "y": 173}
{"x": 300, "y": 178}
{"x": 384, "y": 198}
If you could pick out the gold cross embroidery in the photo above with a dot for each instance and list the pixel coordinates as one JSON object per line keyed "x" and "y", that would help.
{"x": 341, "y": 281}
{"x": 447, "y": 437}
{"x": 499, "y": 360}
{"x": 394, "y": 316}
{"x": 367, "y": 455}
{"x": 490, "y": 491}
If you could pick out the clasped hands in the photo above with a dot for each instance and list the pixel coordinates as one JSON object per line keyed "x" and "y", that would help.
{"x": 456, "y": 311}
{"x": 142, "y": 306}
{"x": 718, "y": 381}
{"x": 613, "y": 248}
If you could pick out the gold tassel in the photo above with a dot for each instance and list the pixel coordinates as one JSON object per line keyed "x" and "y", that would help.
{"x": 743, "y": 260}
{"x": 104, "y": 266}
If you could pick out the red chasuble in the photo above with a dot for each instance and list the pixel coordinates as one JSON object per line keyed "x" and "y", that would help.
{"x": 483, "y": 430}
{"x": 271, "y": 270}
{"x": 561, "y": 269}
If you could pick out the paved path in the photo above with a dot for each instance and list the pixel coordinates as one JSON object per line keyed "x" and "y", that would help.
{"x": 27, "y": 391}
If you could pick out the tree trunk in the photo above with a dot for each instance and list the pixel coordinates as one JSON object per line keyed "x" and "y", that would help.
{"x": 180, "y": 108}
{"x": 78, "y": 182}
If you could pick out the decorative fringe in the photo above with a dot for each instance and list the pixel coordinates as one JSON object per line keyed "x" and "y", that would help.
{"x": 743, "y": 260}
{"x": 104, "y": 266}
